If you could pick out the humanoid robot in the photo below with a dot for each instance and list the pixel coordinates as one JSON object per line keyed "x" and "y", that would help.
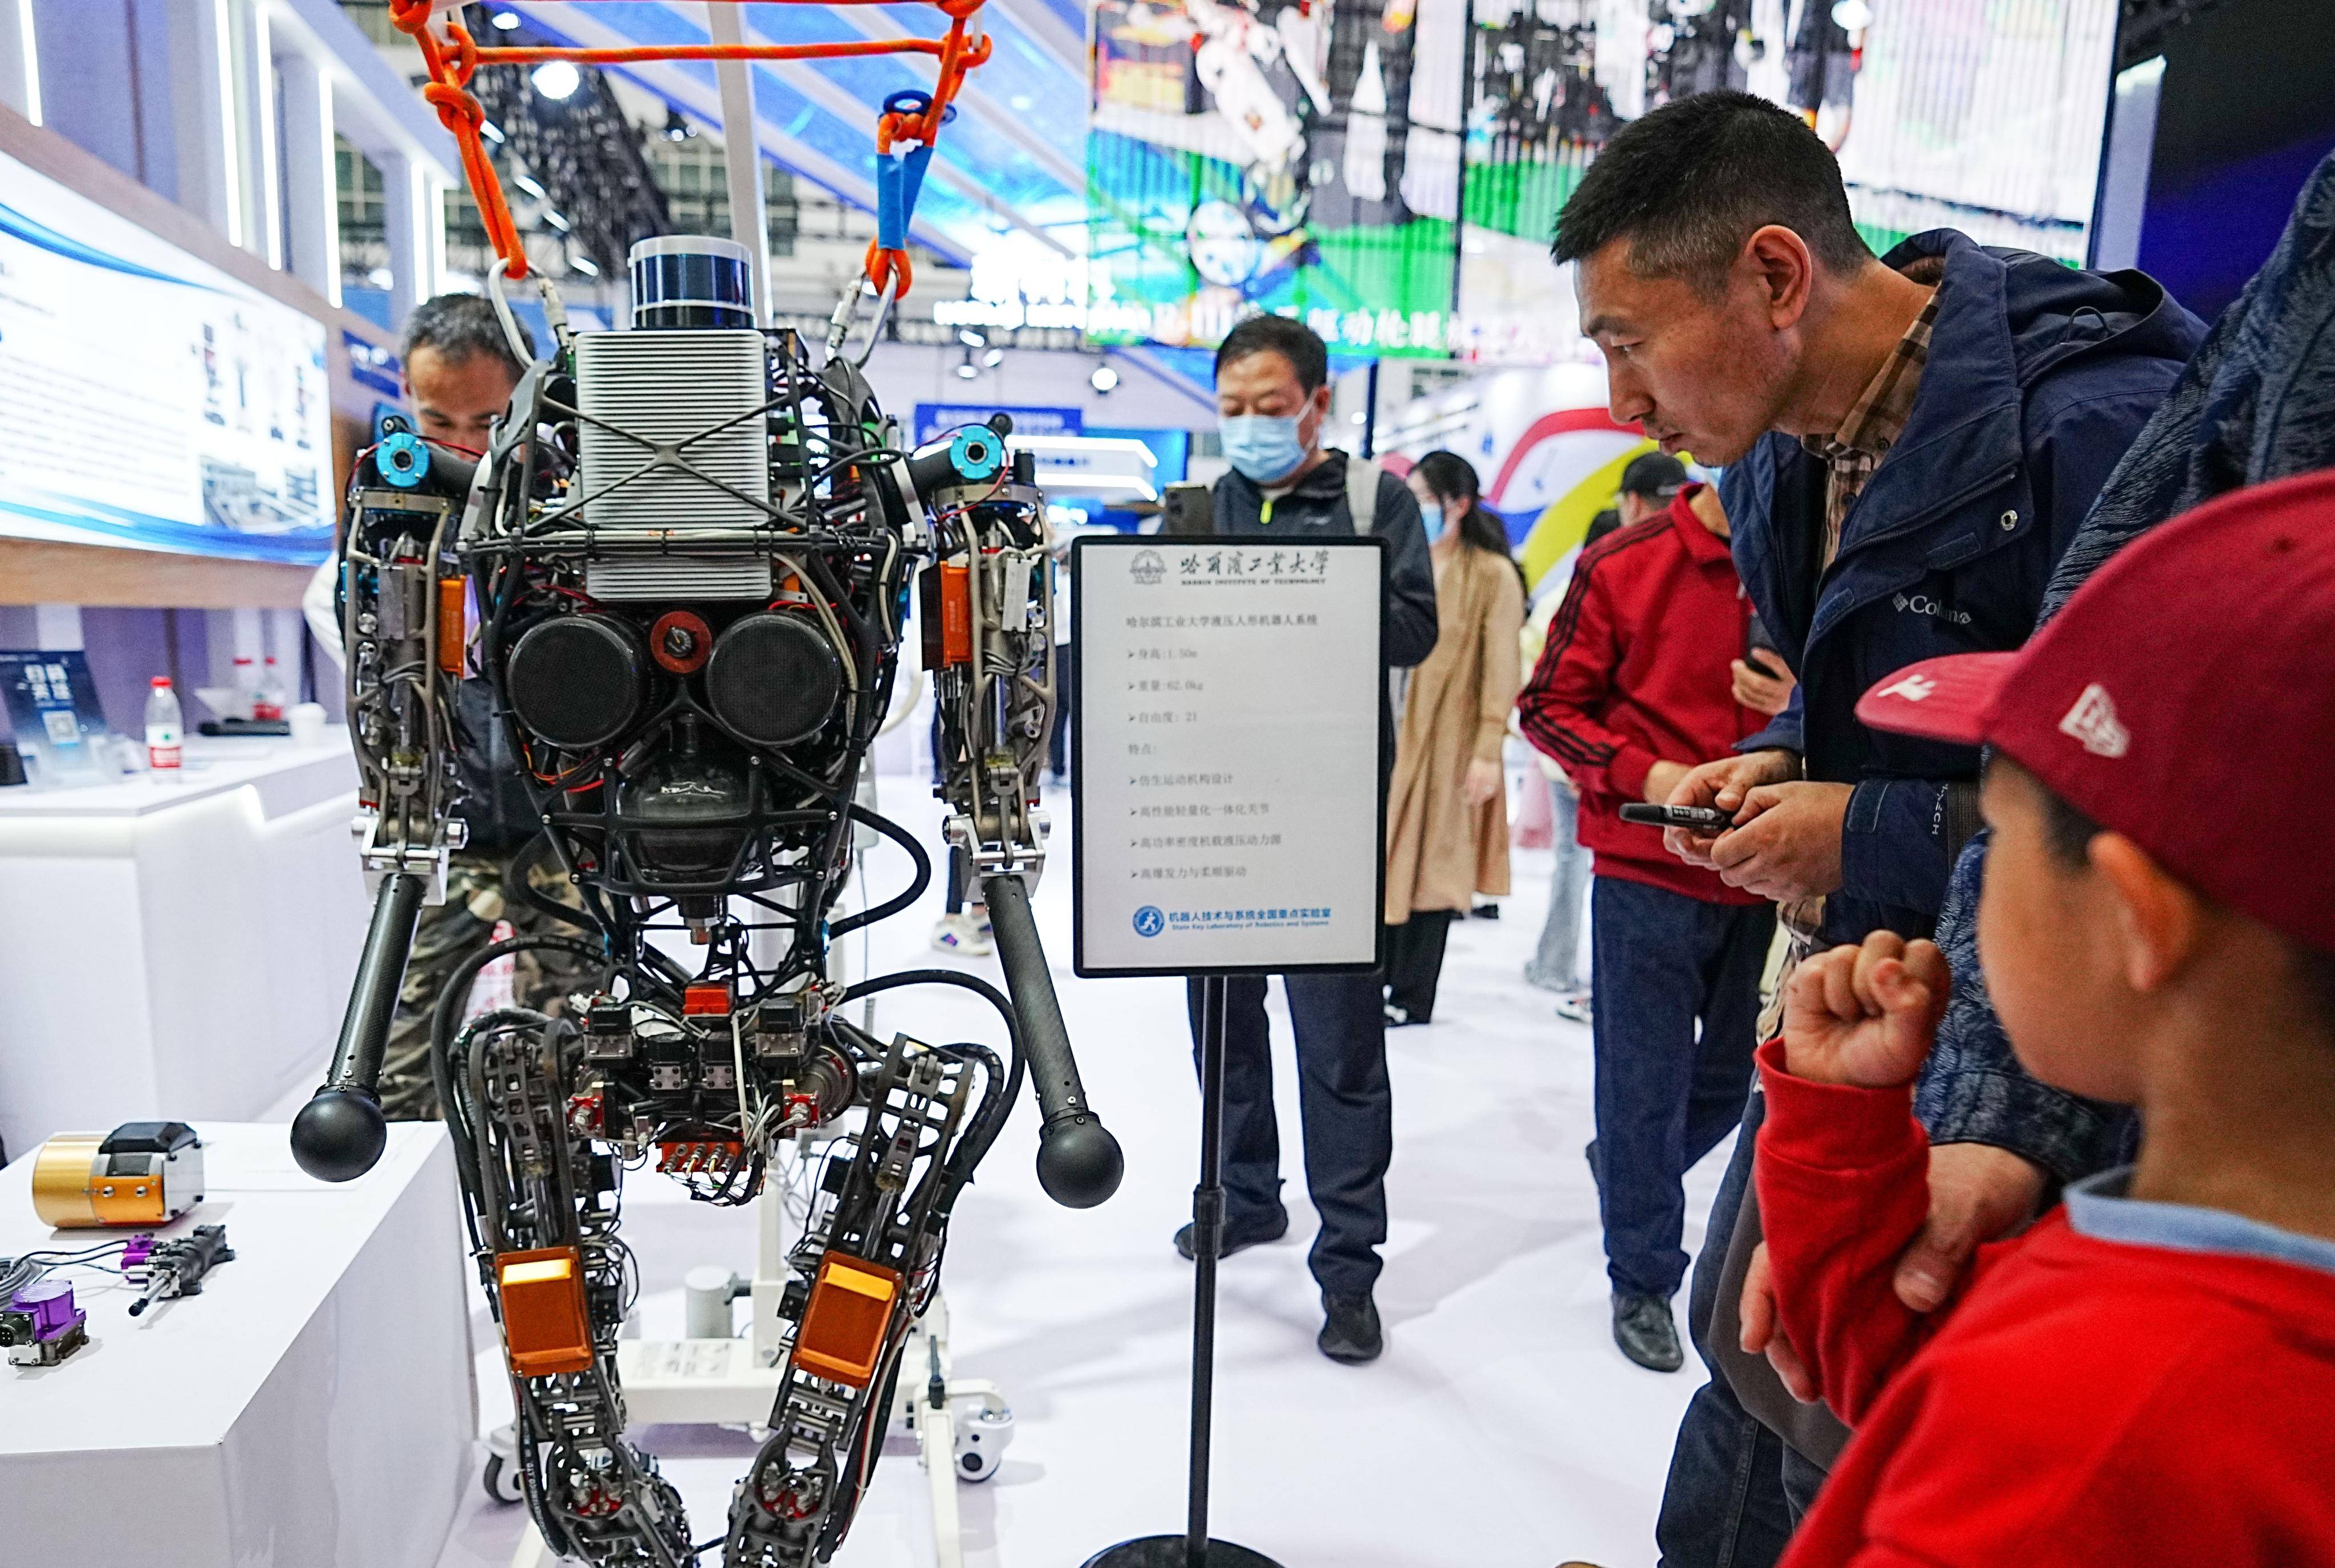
{"x": 689, "y": 551}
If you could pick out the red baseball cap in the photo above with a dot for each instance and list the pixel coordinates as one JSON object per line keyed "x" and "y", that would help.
{"x": 2185, "y": 697}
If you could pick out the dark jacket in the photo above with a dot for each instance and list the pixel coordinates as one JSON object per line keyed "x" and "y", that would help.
{"x": 2256, "y": 404}
{"x": 1317, "y": 506}
{"x": 1636, "y": 673}
{"x": 2039, "y": 377}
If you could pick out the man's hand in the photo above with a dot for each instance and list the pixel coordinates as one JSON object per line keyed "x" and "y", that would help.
{"x": 1481, "y": 782}
{"x": 1760, "y": 692}
{"x": 1725, "y": 784}
{"x": 1660, "y": 779}
{"x": 1788, "y": 845}
{"x": 1762, "y": 1328}
{"x": 1864, "y": 1015}
{"x": 1977, "y": 1192}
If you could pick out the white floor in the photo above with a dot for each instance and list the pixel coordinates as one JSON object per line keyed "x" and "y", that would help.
{"x": 1501, "y": 1427}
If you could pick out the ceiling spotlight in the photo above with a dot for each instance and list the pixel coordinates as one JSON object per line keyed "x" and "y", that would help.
{"x": 677, "y": 127}
{"x": 560, "y": 223}
{"x": 584, "y": 265}
{"x": 993, "y": 358}
{"x": 505, "y": 21}
{"x": 556, "y": 79}
{"x": 528, "y": 185}
{"x": 491, "y": 132}
{"x": 970, "y": 338}
{"x": 967, "y": 371}
{"x": 1104, "y": 378}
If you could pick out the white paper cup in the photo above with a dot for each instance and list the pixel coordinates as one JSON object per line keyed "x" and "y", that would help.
{"x": 307, "y": 720}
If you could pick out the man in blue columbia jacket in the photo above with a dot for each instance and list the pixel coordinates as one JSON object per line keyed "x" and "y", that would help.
{"x": 1909, "y": 445}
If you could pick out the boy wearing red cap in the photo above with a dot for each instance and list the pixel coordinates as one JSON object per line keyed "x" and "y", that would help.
{"x": 2148, "y": 1376}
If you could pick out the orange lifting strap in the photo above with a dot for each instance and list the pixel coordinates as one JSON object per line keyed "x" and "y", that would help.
{"x": 453, "y": 56}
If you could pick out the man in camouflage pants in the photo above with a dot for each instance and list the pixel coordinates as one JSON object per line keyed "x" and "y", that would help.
{"x": 459, "y": 373}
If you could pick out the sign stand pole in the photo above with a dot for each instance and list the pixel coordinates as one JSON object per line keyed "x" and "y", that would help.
{"x": 1193, "y": 1548}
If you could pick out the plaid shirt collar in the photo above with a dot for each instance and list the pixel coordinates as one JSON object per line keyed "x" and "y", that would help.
{"x": 1877, "y": 418}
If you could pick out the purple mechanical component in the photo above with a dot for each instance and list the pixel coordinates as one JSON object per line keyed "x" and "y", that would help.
{"x": 51, "y": 1304}
{"x": 134, "y": 1254}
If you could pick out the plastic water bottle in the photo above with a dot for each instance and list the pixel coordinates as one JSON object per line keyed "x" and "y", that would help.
{"x": 269, "y": 701}
{"x": 247, "y": 689}
{"x": 163, "y": 725}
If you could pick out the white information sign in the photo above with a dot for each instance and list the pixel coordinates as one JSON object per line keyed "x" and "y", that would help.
{"x": 1228, "y": 814}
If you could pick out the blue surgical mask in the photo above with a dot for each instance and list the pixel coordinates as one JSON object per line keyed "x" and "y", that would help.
{"x": 1263, "y": 447}
{"x": 1434, "y": 520}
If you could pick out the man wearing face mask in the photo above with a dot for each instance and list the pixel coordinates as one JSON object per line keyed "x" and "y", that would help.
{"x": 1273, "y": 401}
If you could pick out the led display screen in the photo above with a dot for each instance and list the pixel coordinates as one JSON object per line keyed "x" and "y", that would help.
{"x": 147, "y": 399}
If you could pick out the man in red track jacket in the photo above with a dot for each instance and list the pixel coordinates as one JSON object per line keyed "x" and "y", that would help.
{"x": 2146, "y": 1377}
{"x": 1633, "y": 688}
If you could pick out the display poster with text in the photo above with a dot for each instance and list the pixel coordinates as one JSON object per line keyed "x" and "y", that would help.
{"x": 1228, "y": 785}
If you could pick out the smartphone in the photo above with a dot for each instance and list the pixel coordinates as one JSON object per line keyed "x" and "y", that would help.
{"x": 1759, "y": 650}
{"x": 1186, "y": 512}
{"x": 1699, "y": 818}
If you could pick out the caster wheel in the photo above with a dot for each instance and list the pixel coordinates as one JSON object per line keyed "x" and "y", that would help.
{"x": 502, "y": 1480}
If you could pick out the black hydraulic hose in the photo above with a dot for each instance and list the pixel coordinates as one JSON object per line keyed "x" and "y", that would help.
{"x": 340, "y": 1133}
{"x": 998, "y": 1088}
{"x": 891, "y": 906}
{"x": 517, "y": 880}
{"x": 987, "y": 992}
{"x": 1079, "y": 1162}
{"x": 446, "y": 1017}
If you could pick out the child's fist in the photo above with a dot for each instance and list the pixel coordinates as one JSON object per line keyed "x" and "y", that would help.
{"x": 1864, "y": 1015}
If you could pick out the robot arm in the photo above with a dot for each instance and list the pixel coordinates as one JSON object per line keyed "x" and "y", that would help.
{"x": 400, "y": 620}
{"x": 989, "y": 644}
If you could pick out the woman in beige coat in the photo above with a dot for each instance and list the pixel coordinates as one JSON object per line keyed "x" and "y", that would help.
{"x": 1447, "y": 810}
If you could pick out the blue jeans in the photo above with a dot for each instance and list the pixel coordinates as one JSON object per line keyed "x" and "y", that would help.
{"x": 1736, "y": 1490}
{"x": 1678, "y": 1003}
{"x": 1556, "y": 965}
{"x": 1345, "y": 1104}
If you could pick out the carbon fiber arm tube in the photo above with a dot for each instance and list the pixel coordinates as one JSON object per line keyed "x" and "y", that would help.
{"x": 340, "y": 1133}
{"x": 1079, "y": 1162}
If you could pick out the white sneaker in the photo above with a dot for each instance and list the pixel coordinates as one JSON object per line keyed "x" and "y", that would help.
{"x": 1575, "y": 1006}
{"x": 957, "y": 934}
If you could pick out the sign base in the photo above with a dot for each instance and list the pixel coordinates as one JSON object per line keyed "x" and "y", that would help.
{"x": 1176, "y": 1552}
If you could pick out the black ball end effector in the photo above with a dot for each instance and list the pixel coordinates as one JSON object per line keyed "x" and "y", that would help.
{"x": 1079, "y": 1162}
{"x": 340, "y": 1133}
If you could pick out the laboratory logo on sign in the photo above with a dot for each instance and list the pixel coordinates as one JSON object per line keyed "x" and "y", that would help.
{"x": 1149, "y": 570}
{"x": 1149, "y": 922}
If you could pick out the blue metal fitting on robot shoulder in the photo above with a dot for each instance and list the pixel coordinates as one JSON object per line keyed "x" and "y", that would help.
{"x": 977, "y": 453}
{"x": 403, "y": 459}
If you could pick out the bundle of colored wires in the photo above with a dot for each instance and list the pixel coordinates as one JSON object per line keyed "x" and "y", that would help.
{"x": 30, "y": 1268}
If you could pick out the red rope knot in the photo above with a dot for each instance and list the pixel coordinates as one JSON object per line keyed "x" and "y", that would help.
{"x": 458, "y": 112}
{"x": 464, "y": 64}
{"x": 410, "y": 16}
{"x": 888, "y": 265}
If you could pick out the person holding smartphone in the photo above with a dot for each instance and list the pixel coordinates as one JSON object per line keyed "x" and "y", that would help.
{"x": 1762, "y": 683}
{"x": 1635, "y": 688}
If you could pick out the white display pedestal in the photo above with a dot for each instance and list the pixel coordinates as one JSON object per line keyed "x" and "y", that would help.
{"x": 176, "y": 952}
{"x": 313, "y": 1406}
